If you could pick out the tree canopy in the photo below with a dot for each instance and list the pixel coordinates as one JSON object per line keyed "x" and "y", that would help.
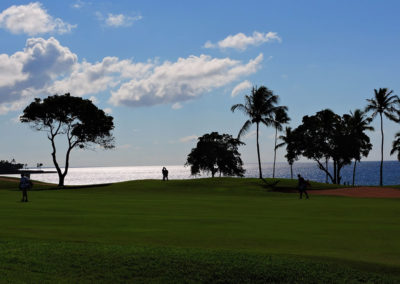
{"x": 214, "y": 153}
{"x": 327, "y": 135}
{"x": 10, "y": 167}
{"x": 82, "y": 123}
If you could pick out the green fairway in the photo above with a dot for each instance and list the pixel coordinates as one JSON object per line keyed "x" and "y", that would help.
{"x": 222, "y": 229}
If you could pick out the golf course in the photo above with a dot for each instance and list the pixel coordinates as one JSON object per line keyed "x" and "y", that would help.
{"x": 222, "y": 230}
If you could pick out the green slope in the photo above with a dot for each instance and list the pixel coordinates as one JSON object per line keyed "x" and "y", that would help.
{"x": 218, "y": 226}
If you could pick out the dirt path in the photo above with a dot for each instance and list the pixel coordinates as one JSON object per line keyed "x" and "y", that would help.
{"x": 374, "y": 192}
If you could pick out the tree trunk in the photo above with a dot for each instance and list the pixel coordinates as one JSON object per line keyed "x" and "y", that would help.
{"x": 61, "y": 180}
{"x": 53, "y": 154}
{"x": 66, "y": 165}
{"x": 354, "y": 171}
{"x": 338, "y": 177}
{"x": 273, "y": 168}
{"x": 326, "y": 165}
{"x": 381, "y": 169}
{"x": 291, "y": 171}
{"x": 258, "y": 155}
{"x": 334, "y": 171}
{"x": 321, "y": 167}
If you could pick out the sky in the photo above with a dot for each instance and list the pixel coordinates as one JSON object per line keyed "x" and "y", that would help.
{"x": 169, "y": 71}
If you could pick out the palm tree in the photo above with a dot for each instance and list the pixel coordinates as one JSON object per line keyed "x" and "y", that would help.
{"x": 281, "y": 117}
{"x": 384, "y": 103}
{"x": 288, "y": 140}
{"x": 396, "y": 146}
{"x": 359, "y": 123}
{"x": 260, "y": 107}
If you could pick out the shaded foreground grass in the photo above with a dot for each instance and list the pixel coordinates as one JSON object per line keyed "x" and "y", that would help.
{"x": 227, "y": 230}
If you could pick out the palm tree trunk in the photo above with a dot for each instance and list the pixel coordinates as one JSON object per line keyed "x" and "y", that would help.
{"x": 354, "y": 171}
{"x": 273, "y": 169}
{"x": 381, "y": 169}
{"x": 258, "y": 155}
{"x": 291, "y": 171}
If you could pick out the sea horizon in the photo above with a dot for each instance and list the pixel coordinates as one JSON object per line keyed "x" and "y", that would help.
{"x": 367, "y": 173}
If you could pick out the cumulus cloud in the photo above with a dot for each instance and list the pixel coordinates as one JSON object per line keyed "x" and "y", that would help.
{"x": 185, "y": 79}
{"x": 32, "y": 19}
{"x": 45, "y": 67}
{"x": 245, "y": 85}
{"x": 187, "y": 139}
{"x": 26, "y": 73}
{"x": 240, "y": 41}
{"x": 92, "y": 78}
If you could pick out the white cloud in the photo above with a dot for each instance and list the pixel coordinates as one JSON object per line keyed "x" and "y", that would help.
{"x": 45, "y": 67}
{"x": 187, "y": 139}
{"x": 27, "y": 73}
{"x": 87, "y": 78}
{"x": 185, "y": 79}
{"x": 177, "y": 106}
{"x": 78, "y": 4}
{"x": 32, "y": 19}
{"x": 240, "y": 41}
{"x": 240, "y": 87}
{"x": 121, "y": 20}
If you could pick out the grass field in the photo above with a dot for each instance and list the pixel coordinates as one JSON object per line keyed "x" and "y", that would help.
{"x": 219, "y": 230}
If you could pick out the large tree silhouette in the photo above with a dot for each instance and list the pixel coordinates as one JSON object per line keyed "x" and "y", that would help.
{"x": 214, "y": 153}
{"x": 260, "y": 107}
{"x": 82, "y": 123}
{"x": 385, "y": 104}
{"x": 357, "y": 123}
{"x": 281, "y": 117}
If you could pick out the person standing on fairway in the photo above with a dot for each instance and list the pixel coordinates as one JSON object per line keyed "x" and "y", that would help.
{"x": 302, "y": 186}
{"x": 25, "y": 184}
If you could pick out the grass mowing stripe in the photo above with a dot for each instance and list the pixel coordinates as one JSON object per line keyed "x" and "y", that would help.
{"x": 239, "y": 216}
{"x": 66, "y": 262}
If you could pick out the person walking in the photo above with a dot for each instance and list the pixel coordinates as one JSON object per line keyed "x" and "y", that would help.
{"x": 302, "y": 186}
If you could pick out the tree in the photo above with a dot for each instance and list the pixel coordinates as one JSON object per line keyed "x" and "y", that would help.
{"x": 10, "y": 167}
{"x": 383, "y": 103}
{"x": 327, "y": 135}
{"x": 396, "y": 146}
{"x": 214, "y": 153}
{"x": 357, "y": 123}
{"x": 82, "y": 123}
{"x": 260, "y": 107}
{"x": 291, "y": 154}
{"x": 280, "y": 118}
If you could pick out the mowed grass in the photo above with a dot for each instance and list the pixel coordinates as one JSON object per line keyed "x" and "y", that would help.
{"x": 204, "y": 230}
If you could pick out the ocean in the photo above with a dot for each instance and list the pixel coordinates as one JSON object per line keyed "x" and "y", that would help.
{"x": 367, "y": 173}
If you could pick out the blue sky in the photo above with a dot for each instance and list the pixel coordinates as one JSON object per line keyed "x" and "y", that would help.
{"x": 169, "y": 71}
